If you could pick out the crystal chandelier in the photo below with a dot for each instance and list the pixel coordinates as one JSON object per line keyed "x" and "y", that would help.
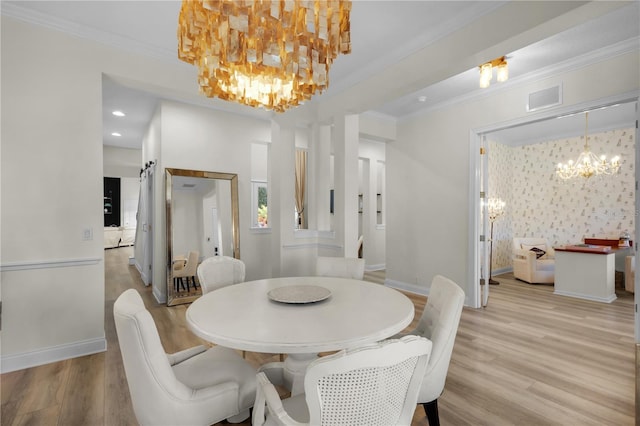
{"x": 588, "y": 164}
{"x": 486, "y": 71}
{"x": 263, "y": 53}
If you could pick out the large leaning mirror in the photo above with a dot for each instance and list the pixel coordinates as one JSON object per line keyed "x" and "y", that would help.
{"x": 202, "y": 221}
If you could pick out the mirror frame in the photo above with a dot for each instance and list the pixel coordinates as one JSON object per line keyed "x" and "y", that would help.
{"x": 235, "y": 221}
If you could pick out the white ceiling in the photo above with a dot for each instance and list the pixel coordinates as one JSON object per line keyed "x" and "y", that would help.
{"x": 385, "y": 34}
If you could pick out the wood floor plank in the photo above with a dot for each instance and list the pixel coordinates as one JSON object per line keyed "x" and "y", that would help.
{"x": 39, "y": 388}
{"x": 45, "y": 417}
{"x": 118, "y": 409}
{"x": 83, "y": 402}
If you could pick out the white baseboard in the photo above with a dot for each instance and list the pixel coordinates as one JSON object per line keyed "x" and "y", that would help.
{"x": 411, "y": 288}
{"x": 415, "y": 289}
{"x": 52, "y": 354}
{"x": 146, "y": 280}
{"x": 586, "y": 296}
{"x": 502, "y": 271}
{"x": 378, "y": 267}
{"x": 159, "y": 296}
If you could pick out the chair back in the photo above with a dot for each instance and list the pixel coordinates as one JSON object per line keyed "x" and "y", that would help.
{"x": 190, "y": 267}
{"x": 343, "y": 267}
{"x": 220, "y": 271}
{"x": 153, "y": 385}
{"x": 439, "y": 323}
{"x": 192, "y": 263}
{"x": 374, "y": 385}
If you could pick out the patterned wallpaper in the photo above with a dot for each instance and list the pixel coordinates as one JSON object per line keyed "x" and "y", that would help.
{"x": 538, "y": 204}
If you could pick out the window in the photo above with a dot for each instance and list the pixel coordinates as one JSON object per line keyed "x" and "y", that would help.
{"x": 259, "y": 204}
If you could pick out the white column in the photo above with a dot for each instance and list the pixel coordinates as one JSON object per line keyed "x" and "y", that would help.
{"x": 281, "y": 194}
{"x": 346, "y": 138}
{"x": 319, "y": 177}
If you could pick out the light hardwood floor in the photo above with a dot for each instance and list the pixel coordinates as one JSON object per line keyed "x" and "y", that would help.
{"x": 529, "y": 358}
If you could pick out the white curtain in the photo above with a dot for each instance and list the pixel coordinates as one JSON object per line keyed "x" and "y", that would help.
{"x": 144, "y": 242}
{"x": 301, "y": 185}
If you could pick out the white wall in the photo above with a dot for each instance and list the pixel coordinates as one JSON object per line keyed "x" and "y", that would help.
{"x": 121, "y": 162}
{"x": 51, "y": 171}
{"x": 428, "y": 170}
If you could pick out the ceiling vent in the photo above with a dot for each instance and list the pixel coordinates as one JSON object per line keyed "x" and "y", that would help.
{"x": 544, "y": 98}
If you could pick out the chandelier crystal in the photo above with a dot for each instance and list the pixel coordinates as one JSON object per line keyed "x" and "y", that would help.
{"x": 263, "y": 53}
{"x": 588, "y": 164}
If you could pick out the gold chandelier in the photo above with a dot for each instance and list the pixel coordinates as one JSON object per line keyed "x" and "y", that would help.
{"x": 486, "y": 71}
{"x": 588, "y": 164}
{"x": 263, "y": 53}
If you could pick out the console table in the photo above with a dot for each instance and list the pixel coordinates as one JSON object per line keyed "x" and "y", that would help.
{"x": 585, "y": 272}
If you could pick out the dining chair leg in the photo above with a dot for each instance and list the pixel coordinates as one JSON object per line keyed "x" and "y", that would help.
{"x": 431, "y": 409}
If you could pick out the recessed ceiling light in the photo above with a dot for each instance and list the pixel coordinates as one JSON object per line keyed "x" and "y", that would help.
{"x": 116, "y": 134}
{"x": 118, "y": 113}
{"x": 422, "y": 99}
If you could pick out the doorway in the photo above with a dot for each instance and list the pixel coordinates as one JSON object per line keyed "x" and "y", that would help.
{"x": 623, "y": 107}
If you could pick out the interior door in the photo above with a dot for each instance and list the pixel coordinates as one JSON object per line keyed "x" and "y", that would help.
{"x": 635, "y": 244}
{"x": 483, "y": 224}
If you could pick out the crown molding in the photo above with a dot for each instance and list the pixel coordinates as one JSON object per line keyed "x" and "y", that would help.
{"x": 115, "y": 41}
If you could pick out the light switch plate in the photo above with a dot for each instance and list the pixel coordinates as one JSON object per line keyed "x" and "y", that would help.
{"x": 87, "y": 234}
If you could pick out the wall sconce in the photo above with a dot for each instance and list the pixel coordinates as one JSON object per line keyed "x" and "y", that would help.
{"x": 486, "y": 71}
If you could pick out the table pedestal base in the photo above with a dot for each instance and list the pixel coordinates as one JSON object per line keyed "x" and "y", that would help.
{"x": 289, "y": 373}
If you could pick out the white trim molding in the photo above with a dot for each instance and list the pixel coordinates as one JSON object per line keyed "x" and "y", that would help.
{"x": 47, "y": 264}
{"x": 378, "y": 267}
{"x": 411, "y": 288}
{"x": 313, "y": 245}
{"x": 116, "y": 41}
{"x": 415, "y": 289}
{"x": 313, "y": 233}
{"x": 51, "y": 354}
{"x": 585, "y": 296}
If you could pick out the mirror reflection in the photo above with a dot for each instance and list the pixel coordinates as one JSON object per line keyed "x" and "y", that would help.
{"x": 202, "y": 222}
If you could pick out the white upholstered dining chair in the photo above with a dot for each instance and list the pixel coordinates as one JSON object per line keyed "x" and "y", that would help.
{"x": 373, "y": 385}
{"x": 220, "y": 271}
{"x": 197, "y": 386}
{"x": 343, "y": 267}
{"x": 187, "y": 271}
{"x": 438, "y": 323}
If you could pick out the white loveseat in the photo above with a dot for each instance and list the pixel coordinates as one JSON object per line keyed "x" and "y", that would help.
{"x": 118, "y": 236}
{"x": 530, "y": 264}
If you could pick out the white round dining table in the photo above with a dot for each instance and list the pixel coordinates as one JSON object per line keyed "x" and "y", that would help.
{"x": 350, "y": 313}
